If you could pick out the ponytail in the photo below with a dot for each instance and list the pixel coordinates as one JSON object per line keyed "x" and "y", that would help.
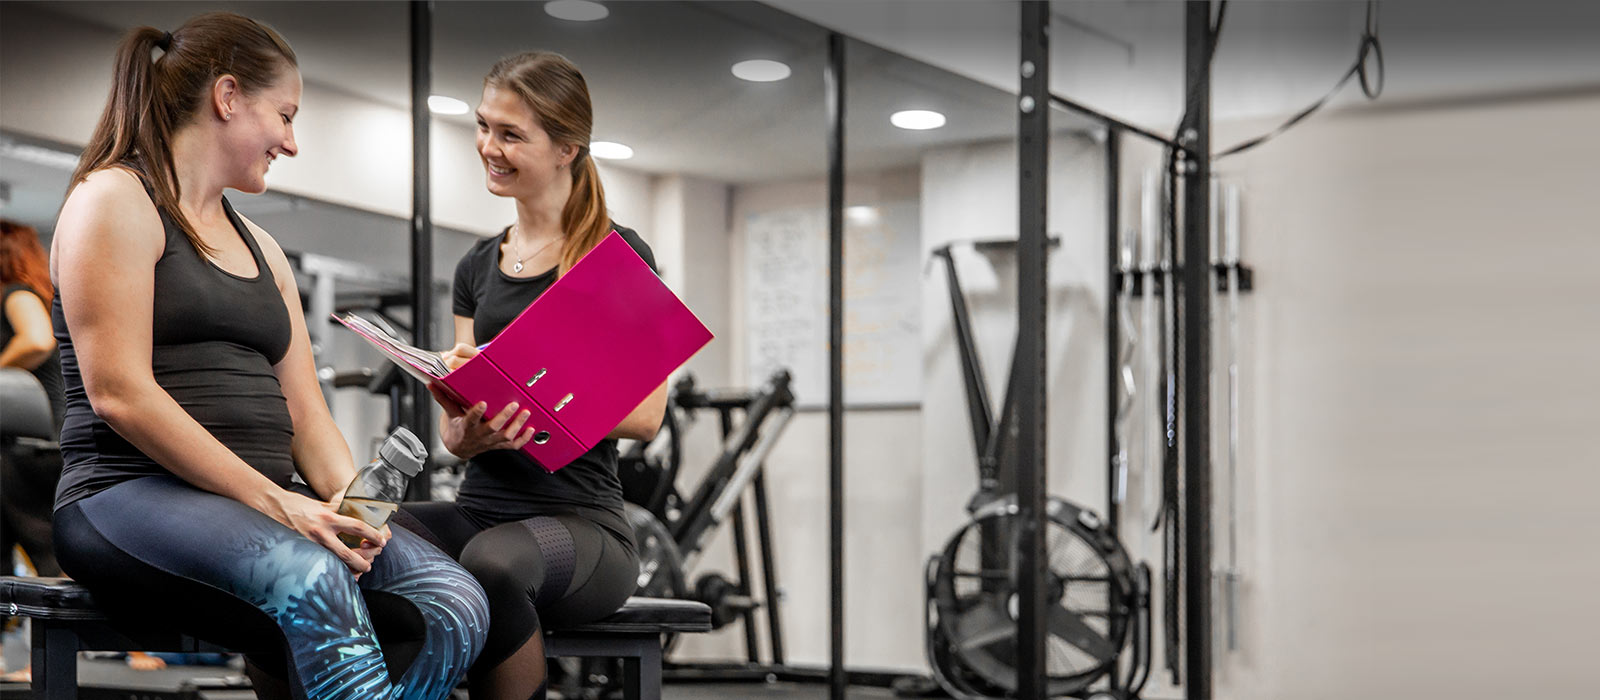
{"x": 584, "y": 217}
{"x": 152, "y": 97}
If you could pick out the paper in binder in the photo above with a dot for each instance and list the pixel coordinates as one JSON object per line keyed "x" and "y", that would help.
{"x": 580, "y": 358}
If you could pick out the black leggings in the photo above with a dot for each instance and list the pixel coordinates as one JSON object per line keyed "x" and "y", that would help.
{"x": 559, "y": 570}
{"x": 28, "y": 477}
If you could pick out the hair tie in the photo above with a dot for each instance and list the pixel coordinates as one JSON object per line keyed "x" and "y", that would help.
{"x": 165, "y": 42}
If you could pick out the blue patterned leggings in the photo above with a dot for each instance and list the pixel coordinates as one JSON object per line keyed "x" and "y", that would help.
{"x": 156, "y": 550}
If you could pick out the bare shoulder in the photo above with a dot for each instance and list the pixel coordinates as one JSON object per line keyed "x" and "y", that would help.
{"x": 112, "y": 191}
{"x": 110, "y": 213}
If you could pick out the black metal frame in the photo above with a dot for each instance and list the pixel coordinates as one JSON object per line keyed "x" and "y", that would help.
{"x": 1193, "y": 325}
{"x": 1033, "y": 137}
{"x": 1195, "y": 337}
{"x": 834, "y": 93}
{"x": 697, "y": 517}
{"x": 1033, "y": 163}
{"x": 421, "y": 418}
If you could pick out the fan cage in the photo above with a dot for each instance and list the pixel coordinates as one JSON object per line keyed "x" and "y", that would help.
{"x": 973, "y": 606}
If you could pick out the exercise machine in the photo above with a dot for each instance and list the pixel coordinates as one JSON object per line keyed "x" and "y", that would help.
{"x": 1098, "y": 598}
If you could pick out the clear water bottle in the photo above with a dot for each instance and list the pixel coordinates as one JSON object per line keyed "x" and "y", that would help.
{"x": 375, "y": 494}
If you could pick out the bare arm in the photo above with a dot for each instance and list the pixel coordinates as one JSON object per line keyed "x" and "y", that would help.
{"x": 645, "y": 420}
{"x": 107, "y": 242}
{"x": 320, "y": 452}
{"x": 34, "y": 340}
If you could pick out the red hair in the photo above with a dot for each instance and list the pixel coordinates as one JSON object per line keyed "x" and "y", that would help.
{"x": 22, "y": 259}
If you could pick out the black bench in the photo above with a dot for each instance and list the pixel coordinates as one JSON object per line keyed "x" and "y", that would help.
{"x": 66, "y": 621}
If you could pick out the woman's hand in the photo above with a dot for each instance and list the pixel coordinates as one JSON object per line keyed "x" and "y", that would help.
{"x": 458, "y": 355}
{"x": 321, "y": 524}
{"x": 370, "y": 550}
{"x": 466, "y": 434}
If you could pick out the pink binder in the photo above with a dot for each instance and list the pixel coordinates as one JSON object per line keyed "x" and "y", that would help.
{"x": 583, "y": 355}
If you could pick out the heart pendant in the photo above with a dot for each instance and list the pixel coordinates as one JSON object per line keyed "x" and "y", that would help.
{"x": 517, "y": 267}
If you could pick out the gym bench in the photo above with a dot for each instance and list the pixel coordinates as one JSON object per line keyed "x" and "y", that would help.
{"x": 66, "y": 621}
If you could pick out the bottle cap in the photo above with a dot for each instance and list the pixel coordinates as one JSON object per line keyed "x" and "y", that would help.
{"x": 403, "y": 450}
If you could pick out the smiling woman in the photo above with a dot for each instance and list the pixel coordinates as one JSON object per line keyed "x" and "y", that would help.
{"x": 192, "y": 401}
{"x": 549, "y": 547}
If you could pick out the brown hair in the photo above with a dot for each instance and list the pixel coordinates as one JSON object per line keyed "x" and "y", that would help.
{"x": 22, "y": 259}
{"x": 559, "y": 97}
{"x": 151, "y": 98}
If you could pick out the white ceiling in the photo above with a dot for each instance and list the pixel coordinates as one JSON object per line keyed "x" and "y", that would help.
{"x": 658, "y": 73}
{"x": 1273, "y": 58}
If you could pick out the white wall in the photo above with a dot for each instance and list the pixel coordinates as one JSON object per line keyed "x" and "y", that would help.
{"x": 971, "y": 192}
{"x": 882, "y": 558}
{"x": 1425, "y": 331}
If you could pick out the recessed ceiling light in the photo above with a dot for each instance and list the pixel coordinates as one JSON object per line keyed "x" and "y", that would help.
{"x": 576, "y": 10}
{"x": 917, "y": 119}
{"x": 609, "y": 150}
{"x": 761, "y": 70}
{"x": 863, "y": 215}
{"x": 439, "y": 104}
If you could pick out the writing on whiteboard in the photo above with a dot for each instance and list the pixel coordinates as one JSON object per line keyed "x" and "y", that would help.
{"x": 786, "y": 273}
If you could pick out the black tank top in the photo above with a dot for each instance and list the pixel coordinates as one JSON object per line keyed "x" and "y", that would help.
{"x": 49, "y": 371}
{"x": 215, "y": 338}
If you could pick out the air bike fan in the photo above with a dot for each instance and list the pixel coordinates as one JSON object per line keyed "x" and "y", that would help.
{"x": 1096, "y": 605}
{"x": 1097, "y": 601}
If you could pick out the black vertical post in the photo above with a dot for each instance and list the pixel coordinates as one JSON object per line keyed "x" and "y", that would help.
{"x": 833, "y": 80}
{"x": 1033, "y": 160}
{"x": 1195, "y": 135}
{"x": 1114, "y": 301}
{"x": 741, "y": 555}
{"x": 421, "y": 419}
{"x": 769, "y": 567}
{"x": 1115, "y": 466}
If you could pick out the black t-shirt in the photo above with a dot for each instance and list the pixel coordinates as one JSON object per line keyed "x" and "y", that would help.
{"x": 506, "y": 485}
{"x": 49, "y": 371}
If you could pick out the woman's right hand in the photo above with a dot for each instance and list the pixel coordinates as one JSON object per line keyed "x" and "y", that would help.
{"x": 466, "y": 433}
{"x": 320, "y": 524}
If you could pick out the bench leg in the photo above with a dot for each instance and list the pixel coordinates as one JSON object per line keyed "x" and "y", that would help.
{"x": 641, "y": 671}
{"x": 55, "y": 661}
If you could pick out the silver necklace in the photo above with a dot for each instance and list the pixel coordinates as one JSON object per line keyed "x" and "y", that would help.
{"x": 515, "y": 250}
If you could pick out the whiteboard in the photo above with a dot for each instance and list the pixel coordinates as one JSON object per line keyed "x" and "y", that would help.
{"x": 786, "y": 287}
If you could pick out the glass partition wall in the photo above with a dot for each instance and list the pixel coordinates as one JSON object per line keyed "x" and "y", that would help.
{"x": 721, "y": 110}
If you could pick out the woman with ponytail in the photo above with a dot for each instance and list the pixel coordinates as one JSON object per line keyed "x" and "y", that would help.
{"x": 549, "y": 548}
{"x": 192, "y": 401}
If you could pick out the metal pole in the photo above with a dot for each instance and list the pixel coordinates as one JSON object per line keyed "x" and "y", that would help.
{"x": 421, "y": 419}
{"x": 1114, "y": 272}
{"x": 1196, "y": 132}
{"x": 741, "y": 554}
{"x": 769, "y": 568}
{"x": 1033, "y": 161}
{"x": 834, "y": 92}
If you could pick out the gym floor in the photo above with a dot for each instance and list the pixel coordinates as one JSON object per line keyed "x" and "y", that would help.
{"x": 114, "y": 673}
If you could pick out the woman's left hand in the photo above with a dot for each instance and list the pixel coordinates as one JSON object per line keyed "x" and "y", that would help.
{"x": 370, "y": 550}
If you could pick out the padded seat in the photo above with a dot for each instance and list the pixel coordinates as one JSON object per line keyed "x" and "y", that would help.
{"x": 648, "y": 616}
{"x": 67, "y": 621}
{"x": 46, "y": 599}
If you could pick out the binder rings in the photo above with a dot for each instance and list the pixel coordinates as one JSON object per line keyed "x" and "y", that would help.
{"x": 581, "y": 357}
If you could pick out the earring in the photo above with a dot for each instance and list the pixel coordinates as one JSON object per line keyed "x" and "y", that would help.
{"x": 227, "y": 115}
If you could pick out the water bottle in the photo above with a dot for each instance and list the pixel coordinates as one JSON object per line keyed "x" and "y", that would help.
{"x": 375, "y": 494}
